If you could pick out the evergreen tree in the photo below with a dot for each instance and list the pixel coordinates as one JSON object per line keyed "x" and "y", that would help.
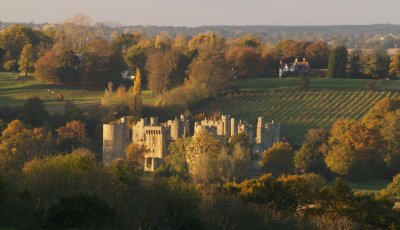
{"x": 27, "y": 60}
{"x": 337, "y": 62}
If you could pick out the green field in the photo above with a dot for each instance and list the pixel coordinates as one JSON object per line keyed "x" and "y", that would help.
{"x": 296, "y": 110}
{"x": 14, "y": 93}
{"x": 369, "y": 187}
{"x": 269, "y": 83}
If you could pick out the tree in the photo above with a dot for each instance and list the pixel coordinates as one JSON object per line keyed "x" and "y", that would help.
{"x": 375, "y": 64}
{"x": 210, "y": 68}
{"x": 80, "y": 211}
{"x": 135, "y": 94}
{"x": 122, "y": 94}
{"x": 46, "y": 68}
{"x": 135, "y": 56}
{"x": 102, "y": 63}
{"x": 317, "y": 54}
{"x": 176, "y": 160}
{"x": 337, "y": 62}
{"x": 394, "y": 68}
{"x": 18, "y": 145}
{"x": 393, "y": 189}
{"x": 160, "y": 67}
{"x": 11, "y": 66}
{"x": 135, "y": 155}
{"x": 15, "y": 37}
{"x": 278, "y": 159}
{"x": 391, "y": 135}
{"x": 126, "y": 40}
{"x": 72, "y": 135}
{"x": 356, "y": 151}
{"x": 374, "y": 118}
{"x": 354, "y": 64}
{"x": 309, "y": 158}
{"x": 289, "y": 50}
{"x": 35, "y": 111}
{"x": 107, "y": 97}
{"x": 246, "y": 62}
{"x": 27, "y": 60}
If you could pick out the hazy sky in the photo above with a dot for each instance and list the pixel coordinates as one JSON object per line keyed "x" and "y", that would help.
{"x": 207, "y": 12}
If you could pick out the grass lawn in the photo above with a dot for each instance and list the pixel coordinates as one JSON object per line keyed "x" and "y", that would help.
{"x": 333, "y": 83}
{"x": 14, "y": 93}
{"x": 370, "y": 186}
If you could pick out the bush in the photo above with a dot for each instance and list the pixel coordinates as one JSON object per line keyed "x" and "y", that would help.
{"x": 11, "y": 66}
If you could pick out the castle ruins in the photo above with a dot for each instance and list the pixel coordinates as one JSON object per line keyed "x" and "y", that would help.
{"x": 157, "y": 136}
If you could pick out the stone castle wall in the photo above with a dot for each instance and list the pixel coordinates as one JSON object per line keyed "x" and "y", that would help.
{"x": 157, "y": 137}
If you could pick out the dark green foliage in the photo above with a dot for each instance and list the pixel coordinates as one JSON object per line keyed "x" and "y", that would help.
{"x": 35, "y": 110}
{"x": 337, "y": 62}
{"x": 309, "y": 158}
{"x": 354, "y": 65}
{"x": 80, "y": 211}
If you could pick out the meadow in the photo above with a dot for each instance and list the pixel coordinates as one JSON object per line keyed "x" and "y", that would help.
{"x": 14, "y": 92}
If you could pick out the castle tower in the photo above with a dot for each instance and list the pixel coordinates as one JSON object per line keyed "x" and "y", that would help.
{"x": 175, "y": 129}
{"x": 115, "y": 140}
{"x": 260, "y": 127}
{"x": 138, "y": 134}
{"x": 226, "y": 122}
{"x": 234, "y": 127}
{"x": 157, "y": 140}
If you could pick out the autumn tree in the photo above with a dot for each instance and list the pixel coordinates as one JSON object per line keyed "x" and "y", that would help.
{"x": 374, "y": 118}
{"x": 15, "y": 37}
{"x": 289, "y": 50}
{"x": 375, "y": 64}
{"x": 207, "y": 41}
{"x": 102, "y": 63}
{"x": 210, "y": 69}
{"x": 160, "y": 67}
{"x": 278, "y": 159}
{"x": 337, "y": 62}
{"x": 317, "y": 54}
{"x": 106, "y": 100}
{"x": 355, "y": 151}
{"x": 46, "y": 68}
{"x": 72, "y": 135}
{"x": 135, "y": 94}
{"x": 394, "y": 68}
{"x": 210, "y": 162}
{"x": 122, "y": 94}
{"x": 18, "y": 145}
{"x": 27, "y": 60}
{"x": 391, "y": 135}
{"x": 246, "y": 62}
{"x": 135, "y": 155}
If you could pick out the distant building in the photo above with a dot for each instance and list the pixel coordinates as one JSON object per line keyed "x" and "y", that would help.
{"x": 294, "y": 68}
{"x": 157, "y": 137}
